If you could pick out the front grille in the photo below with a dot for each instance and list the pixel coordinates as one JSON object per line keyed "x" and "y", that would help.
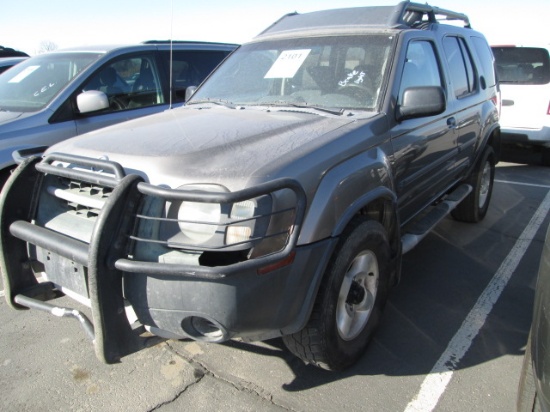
{"x": 82, "y": 199}
{"x": 71, "y": 207}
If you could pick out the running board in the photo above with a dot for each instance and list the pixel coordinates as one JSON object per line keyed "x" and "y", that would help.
{"x": 420, "y": 228}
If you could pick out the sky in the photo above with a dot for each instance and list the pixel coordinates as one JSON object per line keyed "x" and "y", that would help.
{"x": 28, "y": 25}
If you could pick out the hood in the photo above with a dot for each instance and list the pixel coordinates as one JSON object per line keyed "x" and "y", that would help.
{"x": 208, "y": 144}
{"x": 6, "y": 117}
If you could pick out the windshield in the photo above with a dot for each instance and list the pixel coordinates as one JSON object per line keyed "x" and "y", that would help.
{"x": 32, "y": 84}
{"x": 339, "y": 72}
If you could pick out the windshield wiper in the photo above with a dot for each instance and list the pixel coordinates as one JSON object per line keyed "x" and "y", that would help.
{"x": 282, "y": 103}
{"x": 339, "y": 112}
{"x": 221, "y": 102}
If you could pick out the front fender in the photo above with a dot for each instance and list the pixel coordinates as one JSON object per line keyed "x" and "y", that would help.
{"x": 344, "y": 191}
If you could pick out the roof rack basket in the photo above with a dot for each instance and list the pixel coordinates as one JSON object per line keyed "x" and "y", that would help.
{"x": 413, "y": 14}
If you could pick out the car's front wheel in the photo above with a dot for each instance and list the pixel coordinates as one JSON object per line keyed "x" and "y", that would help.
{"x": 350, "y": 300}
{"x": 527, "y": 393}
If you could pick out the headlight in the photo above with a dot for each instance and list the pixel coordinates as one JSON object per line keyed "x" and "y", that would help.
{"x": 242, "y": 231}
{"x": 222, "y": 227}
{"x": 199, "y": 221}
{"x": 187, "y": 225}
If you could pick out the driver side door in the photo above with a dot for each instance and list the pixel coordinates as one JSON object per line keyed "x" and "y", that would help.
{"x": 425, "y": 148}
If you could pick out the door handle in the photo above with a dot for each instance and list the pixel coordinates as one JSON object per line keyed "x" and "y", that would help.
{"x": 451, "y": 123}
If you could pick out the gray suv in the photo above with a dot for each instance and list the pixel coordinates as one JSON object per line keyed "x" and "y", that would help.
{"x": 278, "y": 201}
{"x": 54, "y": 96}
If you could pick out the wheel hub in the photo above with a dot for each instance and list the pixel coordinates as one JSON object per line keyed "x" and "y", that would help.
{"x": 357, "y": 295}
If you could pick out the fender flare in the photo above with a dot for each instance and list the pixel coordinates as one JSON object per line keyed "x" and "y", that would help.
{"x": 344, "y": 191}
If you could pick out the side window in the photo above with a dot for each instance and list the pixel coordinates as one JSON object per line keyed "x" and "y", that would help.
{"x": 129, "y": 83}
{"x": 190, "y": 68}
{"x": 485, "y": 56}
{"x": 421, "y": 67}
{"x": 460, "y": 66}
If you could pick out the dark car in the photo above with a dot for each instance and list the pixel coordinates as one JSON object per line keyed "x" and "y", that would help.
{"x": 534, "y": 385}
{"x": 53, "y": 96}
{"x": 7, "y": 62}
{"x": 9, "y": 52}
{"x": 279, "y": 200}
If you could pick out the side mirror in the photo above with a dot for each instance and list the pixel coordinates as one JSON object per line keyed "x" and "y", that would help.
{"x": 189, "y": 92}
{"x": 420, "y": 102}
{"x": 92, "y": 101}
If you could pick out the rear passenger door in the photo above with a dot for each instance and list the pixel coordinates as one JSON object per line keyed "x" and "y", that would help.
{"x": 464, "y": 95}
{"x": 424, "y": 148}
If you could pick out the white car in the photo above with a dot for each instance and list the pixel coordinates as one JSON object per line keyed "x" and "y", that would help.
{"x": 524, "y": 75}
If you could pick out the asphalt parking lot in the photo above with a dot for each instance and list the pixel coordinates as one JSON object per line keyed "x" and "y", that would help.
{"x": 452, "y": 337}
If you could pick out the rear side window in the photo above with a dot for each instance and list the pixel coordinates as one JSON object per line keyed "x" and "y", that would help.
{"x": 485, "y": 56}
{"x": 522, "y": 65}
{"x": 460, "y": 65}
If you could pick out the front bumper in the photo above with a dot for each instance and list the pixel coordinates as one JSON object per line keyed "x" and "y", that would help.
{"x": 255, "y": 299}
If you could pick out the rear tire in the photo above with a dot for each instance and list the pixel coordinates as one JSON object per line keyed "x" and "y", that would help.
{"x": 350, "y": 300}
{"x": 474, "y": 207}
{"x": 545, "y": 159}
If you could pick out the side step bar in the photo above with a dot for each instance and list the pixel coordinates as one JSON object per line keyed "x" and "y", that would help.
{"x": 420, "y": 228}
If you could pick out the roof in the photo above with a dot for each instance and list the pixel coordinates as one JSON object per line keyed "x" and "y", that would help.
{"x": 10, "y": 61}
{"x": 403, "y": 15}
{"x": 148, "y": 45}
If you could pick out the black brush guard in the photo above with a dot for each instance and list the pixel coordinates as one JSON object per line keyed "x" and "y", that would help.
{"x": 105, "y": 257}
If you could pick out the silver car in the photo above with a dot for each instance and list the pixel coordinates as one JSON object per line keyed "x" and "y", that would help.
{"x": 54, "y": 96}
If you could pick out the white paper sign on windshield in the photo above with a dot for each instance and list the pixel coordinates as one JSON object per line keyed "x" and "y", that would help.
{"x": 287, "y": 64}
{"x": 23, "y": 74}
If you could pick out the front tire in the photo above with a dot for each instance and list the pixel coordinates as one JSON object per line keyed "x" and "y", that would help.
{"x": 527, "y": 392}
{"x": 4, "y": 176}
{"x": 351, "y": 297}
{"x": 474, "y": 207}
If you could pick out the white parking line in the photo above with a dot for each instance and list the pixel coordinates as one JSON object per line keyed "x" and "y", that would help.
{"x": 439, "y": 377}
{"x": 522, "y": 184}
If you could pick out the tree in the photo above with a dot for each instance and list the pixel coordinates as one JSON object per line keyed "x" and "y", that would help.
{"x": 46, "y": 46}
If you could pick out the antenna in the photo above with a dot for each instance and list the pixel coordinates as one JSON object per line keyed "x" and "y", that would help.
{"x": 171, "y": 50}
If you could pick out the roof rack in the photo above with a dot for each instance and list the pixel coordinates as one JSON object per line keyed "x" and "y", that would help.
{"x": 414, "y": 14}
{"x": 402, "y": 16}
